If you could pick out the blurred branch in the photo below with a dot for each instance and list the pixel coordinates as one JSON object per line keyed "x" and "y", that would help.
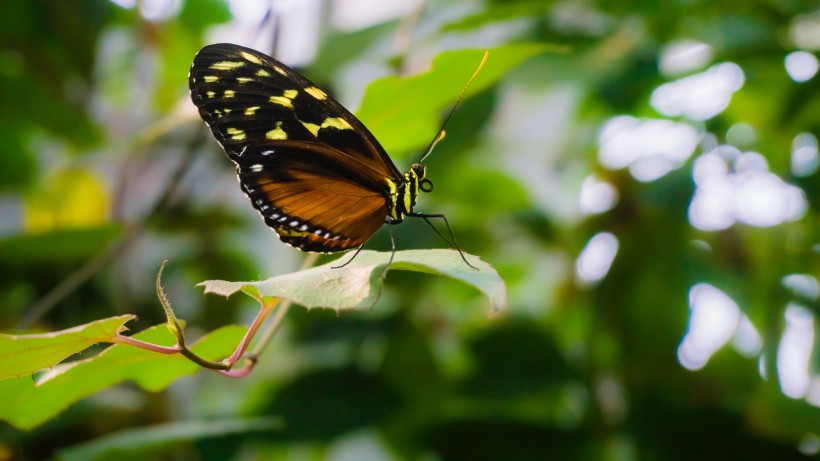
{"x": 116, "y": 248}
{"x": 226, "y": 366}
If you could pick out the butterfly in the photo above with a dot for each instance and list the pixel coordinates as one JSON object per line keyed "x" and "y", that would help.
{"x": 313, "y": 171}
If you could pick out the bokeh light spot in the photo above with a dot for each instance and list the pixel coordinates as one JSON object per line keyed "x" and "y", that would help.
{"x": 713, "y": 320}
{"x": 804, "y": 158}
{"x": 700, "y": 96}
{"x": 596, "y": 258}
{"x": 597, "y": 196}
{"x": 683, "y": 56}
{"x": 650, "y": 148}
{"x": 794, "y": 351}
{"x": 801, "y": 65}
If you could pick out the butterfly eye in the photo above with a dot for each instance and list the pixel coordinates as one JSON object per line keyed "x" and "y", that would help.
{"x": 426, "y": 185}
{"x": 420, "y": 170}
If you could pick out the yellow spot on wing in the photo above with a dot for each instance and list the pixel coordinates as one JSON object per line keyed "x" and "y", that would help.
{"x": 210, "y": 94}
{"x": 280, "y": 70}
{"x": 277, "y": 134}
{"x": 336, "y": 122}
{"x": 263, "y": 73}
{"x": 227, "y": 65}
{"x": 282, "y": 101}
{"x": 251, "y": 110}
{"x": 210, "y": 78}
{"x": 316, "y": 93}
{"x": 290, "y": 232}
{"x": 312, "y": 127}
{"x": 230, "y": 93}
{"x": 290, "y": 94}
{"x": 236, "y": 135}
{"x": 251, "y": 57}
{"x": 244, "y": 79}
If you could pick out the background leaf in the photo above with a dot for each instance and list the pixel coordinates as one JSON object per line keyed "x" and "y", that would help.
{"x": 402, "y": 112}
{"x": 33, "y": 401}
{"x": 136, "y": 444}
{"x": 24, "y": 354}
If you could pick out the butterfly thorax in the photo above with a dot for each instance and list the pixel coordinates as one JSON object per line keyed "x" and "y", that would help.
{"x": 402, "y": 194}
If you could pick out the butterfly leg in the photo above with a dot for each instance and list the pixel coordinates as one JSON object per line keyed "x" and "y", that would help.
{"x": 351, "y": 259}
{"x": 452, "y": 242}
{"x": 392, "y": 252}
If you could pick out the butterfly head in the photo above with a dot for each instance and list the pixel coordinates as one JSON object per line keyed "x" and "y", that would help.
{"x": 421, "y": 173}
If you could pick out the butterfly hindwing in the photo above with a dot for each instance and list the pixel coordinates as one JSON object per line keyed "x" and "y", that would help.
{"x": 313, "y": 196}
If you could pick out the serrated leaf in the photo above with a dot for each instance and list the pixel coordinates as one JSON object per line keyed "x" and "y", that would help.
{"x": 403, "y": 112}
{"x": 28, "y": 403}
{"x": 141, "y": 443}
{"x": 24, "y": 354}
{"x": 357, "y": 285}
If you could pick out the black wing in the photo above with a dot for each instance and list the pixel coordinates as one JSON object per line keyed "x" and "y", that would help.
{"x": 246, "y": 96}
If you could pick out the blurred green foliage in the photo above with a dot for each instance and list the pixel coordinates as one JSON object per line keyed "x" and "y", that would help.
{"x": 571, "y": 371}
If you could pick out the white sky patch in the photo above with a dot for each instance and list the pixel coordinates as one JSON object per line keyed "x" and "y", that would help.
{"x": 801, "y": 65}
{"x": 713, "y": 320}
{"x": 352, "y": 15}
{"x": 794, "y": 352}
{"x": 650, "y": 148}
{"x": 596, "y": 258}
{"x": 738, "y": 187}
{"x": 160, "y": 10}
{"x": 597, "y": 196}
{"x": 700, "y": 96}
{"x": 298, "y": 34}
{"x": 249, "y": 11}
{"x": 682, "y": 56}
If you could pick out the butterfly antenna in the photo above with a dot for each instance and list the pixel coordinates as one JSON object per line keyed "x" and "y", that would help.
{"x": 441, "y": 132}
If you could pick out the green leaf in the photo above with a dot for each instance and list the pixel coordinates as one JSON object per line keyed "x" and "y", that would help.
{"x": 24, "y": 354}
{"x": 357, "y": 285}
{"x": 147, "y": 443}
{"x": 499, "y": 12}
{"x": 28, "y": 403}
{"x": 403, "y": 112}
{"x": 57, "y": 246}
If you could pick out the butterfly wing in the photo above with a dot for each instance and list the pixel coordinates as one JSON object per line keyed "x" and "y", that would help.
{"x": 246, "y": 96}
{"x": 315, "y": 197}
{"x": 313, "y": 171}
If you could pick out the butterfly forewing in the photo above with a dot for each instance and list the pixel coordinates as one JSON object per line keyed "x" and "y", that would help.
{"x": 315, "y": 173}
{"x": 246, "y": 96}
